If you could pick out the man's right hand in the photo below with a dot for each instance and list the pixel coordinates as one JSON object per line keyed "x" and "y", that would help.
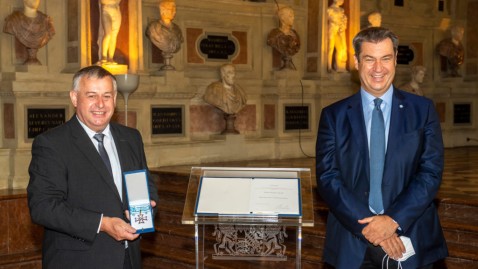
{"x": 118, "y": 229}
{"x": 393, "y": 246}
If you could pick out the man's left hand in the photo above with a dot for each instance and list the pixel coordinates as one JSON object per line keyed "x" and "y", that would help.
{"x": 378, "y": 228}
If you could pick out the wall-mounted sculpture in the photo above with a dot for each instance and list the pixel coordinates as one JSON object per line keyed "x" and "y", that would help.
{"x": 452, "y": 53}
{"x": 165, "y": 34}
{"x": 227, "y": 96}
{"x": 110, "y": 23}
{"x": 375, "y": 19}
{"x": 285, "y": 39}
{"x": 413, "y": 86}
{"x": 32, "y": 28}
{"x": 337, "y": 43}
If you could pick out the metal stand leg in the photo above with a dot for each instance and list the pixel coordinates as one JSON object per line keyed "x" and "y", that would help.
{"x": 298, "y": 254}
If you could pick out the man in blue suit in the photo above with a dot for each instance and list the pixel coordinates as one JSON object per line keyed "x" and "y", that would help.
{"x": 393, "y": 220}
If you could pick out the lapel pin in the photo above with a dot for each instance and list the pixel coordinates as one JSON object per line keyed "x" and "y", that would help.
{"x": 400, "y": 106}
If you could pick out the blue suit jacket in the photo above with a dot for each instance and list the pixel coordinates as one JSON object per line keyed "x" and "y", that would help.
{"x": 412, "y": 176}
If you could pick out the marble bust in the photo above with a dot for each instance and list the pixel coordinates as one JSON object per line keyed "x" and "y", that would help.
{"x": 413, "y": 86}
{"x": 375, "y": 19}
{"x": 337, "y": 43}
{"x": 164, "y": 33}
{"x": 110, "y": 23}
{"x": 285, "y": 39}
{"x": 452, "y": 53}
{"x": 226, "y": 95}
{"x": 32, "y": 28}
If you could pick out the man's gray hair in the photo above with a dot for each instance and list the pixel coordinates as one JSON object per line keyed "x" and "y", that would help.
{"x": 373, "y": 35}
{"x": 93, "y": 71}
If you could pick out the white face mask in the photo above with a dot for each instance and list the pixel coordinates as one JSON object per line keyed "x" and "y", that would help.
{"x": 409, "y": 251}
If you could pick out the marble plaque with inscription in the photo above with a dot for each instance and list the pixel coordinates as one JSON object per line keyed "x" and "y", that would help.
{"x": 405, "y": 55}
{"x": 167, "y": 120}
{"x": 40, "y": 120}
{"x": 462, "y": 113}
{"x": 296, "y": 117}
{"x": 217, "y": 47}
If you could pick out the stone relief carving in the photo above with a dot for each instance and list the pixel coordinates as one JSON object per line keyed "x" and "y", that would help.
{"x": 265, "y": 241}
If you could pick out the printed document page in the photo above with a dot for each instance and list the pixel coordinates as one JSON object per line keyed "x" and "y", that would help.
{"x": 238, "y": 196}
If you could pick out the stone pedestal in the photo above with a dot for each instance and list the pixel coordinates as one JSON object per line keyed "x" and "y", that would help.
{"x": 230, "y": 127}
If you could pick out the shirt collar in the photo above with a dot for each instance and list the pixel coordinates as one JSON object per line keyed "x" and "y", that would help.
{"x": 91, "y": 133}
{"x": 367, "y": 98}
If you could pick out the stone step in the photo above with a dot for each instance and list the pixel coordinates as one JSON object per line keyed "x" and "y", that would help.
{"x": 172, "y": 182}
{"x": 31, "y": 260}
{"x": 460, "y": 233}
{"x": 462, "y": 211}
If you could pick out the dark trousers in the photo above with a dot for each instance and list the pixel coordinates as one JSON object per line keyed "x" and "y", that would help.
{"x": 374, "y": 258}
{"x": 127, "y": 261}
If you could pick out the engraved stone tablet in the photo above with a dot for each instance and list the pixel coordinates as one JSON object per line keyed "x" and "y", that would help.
{"x": 462, "y": 114}
{"x": 167, "y": 120}
{"x": 42, "y": 119}
{"x": 405, "y": 55}
{"x": 296, "y": 117}
{"x": 218, "y": 47}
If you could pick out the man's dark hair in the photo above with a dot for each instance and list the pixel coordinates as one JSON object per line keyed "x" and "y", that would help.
{"x": 373, "y": 35}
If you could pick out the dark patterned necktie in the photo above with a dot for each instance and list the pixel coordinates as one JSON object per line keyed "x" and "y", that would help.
{"x": 101, "y": 149}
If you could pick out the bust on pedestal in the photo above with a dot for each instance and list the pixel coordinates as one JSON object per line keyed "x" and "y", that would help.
{"x": 375, "y": 19}
{"x": 452, "y": 53}
{"x": 413, "y": 86}
{"x": 32, "y": 28}
{"x": 227, "y": 96}
{"x": 285, "y": 39}
{"x": 165, "y": 34}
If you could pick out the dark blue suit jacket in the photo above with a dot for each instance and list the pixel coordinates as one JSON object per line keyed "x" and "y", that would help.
{"x": 412, "y": 176}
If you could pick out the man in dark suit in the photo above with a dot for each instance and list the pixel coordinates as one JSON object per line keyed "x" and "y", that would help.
{"x": 78, "y": 197}
{"x": 370, "y": 223}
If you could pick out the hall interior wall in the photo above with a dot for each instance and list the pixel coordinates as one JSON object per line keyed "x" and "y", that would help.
{"x": 419, "y": 24}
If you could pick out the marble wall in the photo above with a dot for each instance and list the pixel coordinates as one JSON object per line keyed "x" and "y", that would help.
{"x": 262, "y": 123}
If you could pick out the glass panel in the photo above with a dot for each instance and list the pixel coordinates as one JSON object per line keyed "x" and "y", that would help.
{"x": 307, "y": 218}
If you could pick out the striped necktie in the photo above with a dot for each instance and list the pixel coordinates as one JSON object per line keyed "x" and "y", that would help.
{"x": 101, "y": 149}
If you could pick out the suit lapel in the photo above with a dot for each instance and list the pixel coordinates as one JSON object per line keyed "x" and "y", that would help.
{"x": 357, "y": 123}
{"x": 397, "y": 122}
{"x": 86, "y": 147}
{"x": 356, "y": 120}
{"x": 122, "y": 147}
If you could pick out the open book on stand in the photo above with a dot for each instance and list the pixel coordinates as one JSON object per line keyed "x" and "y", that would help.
{"x": 249, "y": 196}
